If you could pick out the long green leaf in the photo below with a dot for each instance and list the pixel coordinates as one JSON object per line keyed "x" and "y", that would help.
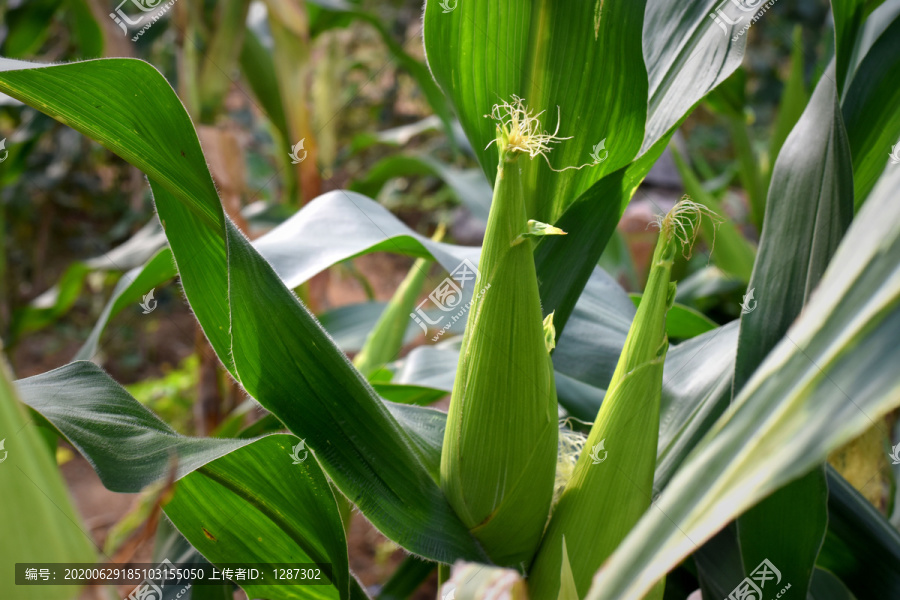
{"x": 849, "y": 16}
{"x": 385, "y": 340}
{"x": 861, "y": 547}
{"x": 332, "y": 228}
{"x": 38, "y": 521}
{"x": 261, "y": 518}
{"x": 528, "y": 48}
{"x": 686, "y": 56}
{"x": 128, "y": 446}
{"x": 108, "y": 100}
{"x": 259, "y": 69}
{"x": 873, "y": 123}
{"x": 402, "y": 500}
{"x": 797, "y": 402}
{"x": 794, "y": 98}
{"x": 809, "y": 207}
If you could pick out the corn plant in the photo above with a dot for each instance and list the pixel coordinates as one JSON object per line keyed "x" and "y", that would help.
{"x": 705, "y": 460}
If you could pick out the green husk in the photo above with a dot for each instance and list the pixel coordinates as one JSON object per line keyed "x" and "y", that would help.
{"x": 612, "y": 483}
{"x": 500, "y": 446}
{"x": 567, "y": 589}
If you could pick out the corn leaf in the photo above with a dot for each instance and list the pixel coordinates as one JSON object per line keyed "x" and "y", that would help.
{"x": 38, "y": 521}
{"x": 291, "y": 515}
{"x": 849, "y": 16}
{"x": 794, "y": 98}
{"x": 319, "y": 235}
{"x": 126, "y": 444}
{"x": 810, "y": 206}
{"x": 526, "y": 48}
{"x": 861, "y": 547}
{"x": 685, "y": 58}
{"x": 869, "y": 107}
{"x": 327, "y": 401}
{"x": 259, "y": 70}
{"x": 797, "y": 401}
{"x": 221, "y": 56}
{"x": 290, "y": 518}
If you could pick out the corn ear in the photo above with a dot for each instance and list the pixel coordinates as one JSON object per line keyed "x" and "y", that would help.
{"x": 384, "y": 342}
{"x": 612, "y": 484}
{"x": 473, "y": 581}
{"x": 499, "y": 454}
